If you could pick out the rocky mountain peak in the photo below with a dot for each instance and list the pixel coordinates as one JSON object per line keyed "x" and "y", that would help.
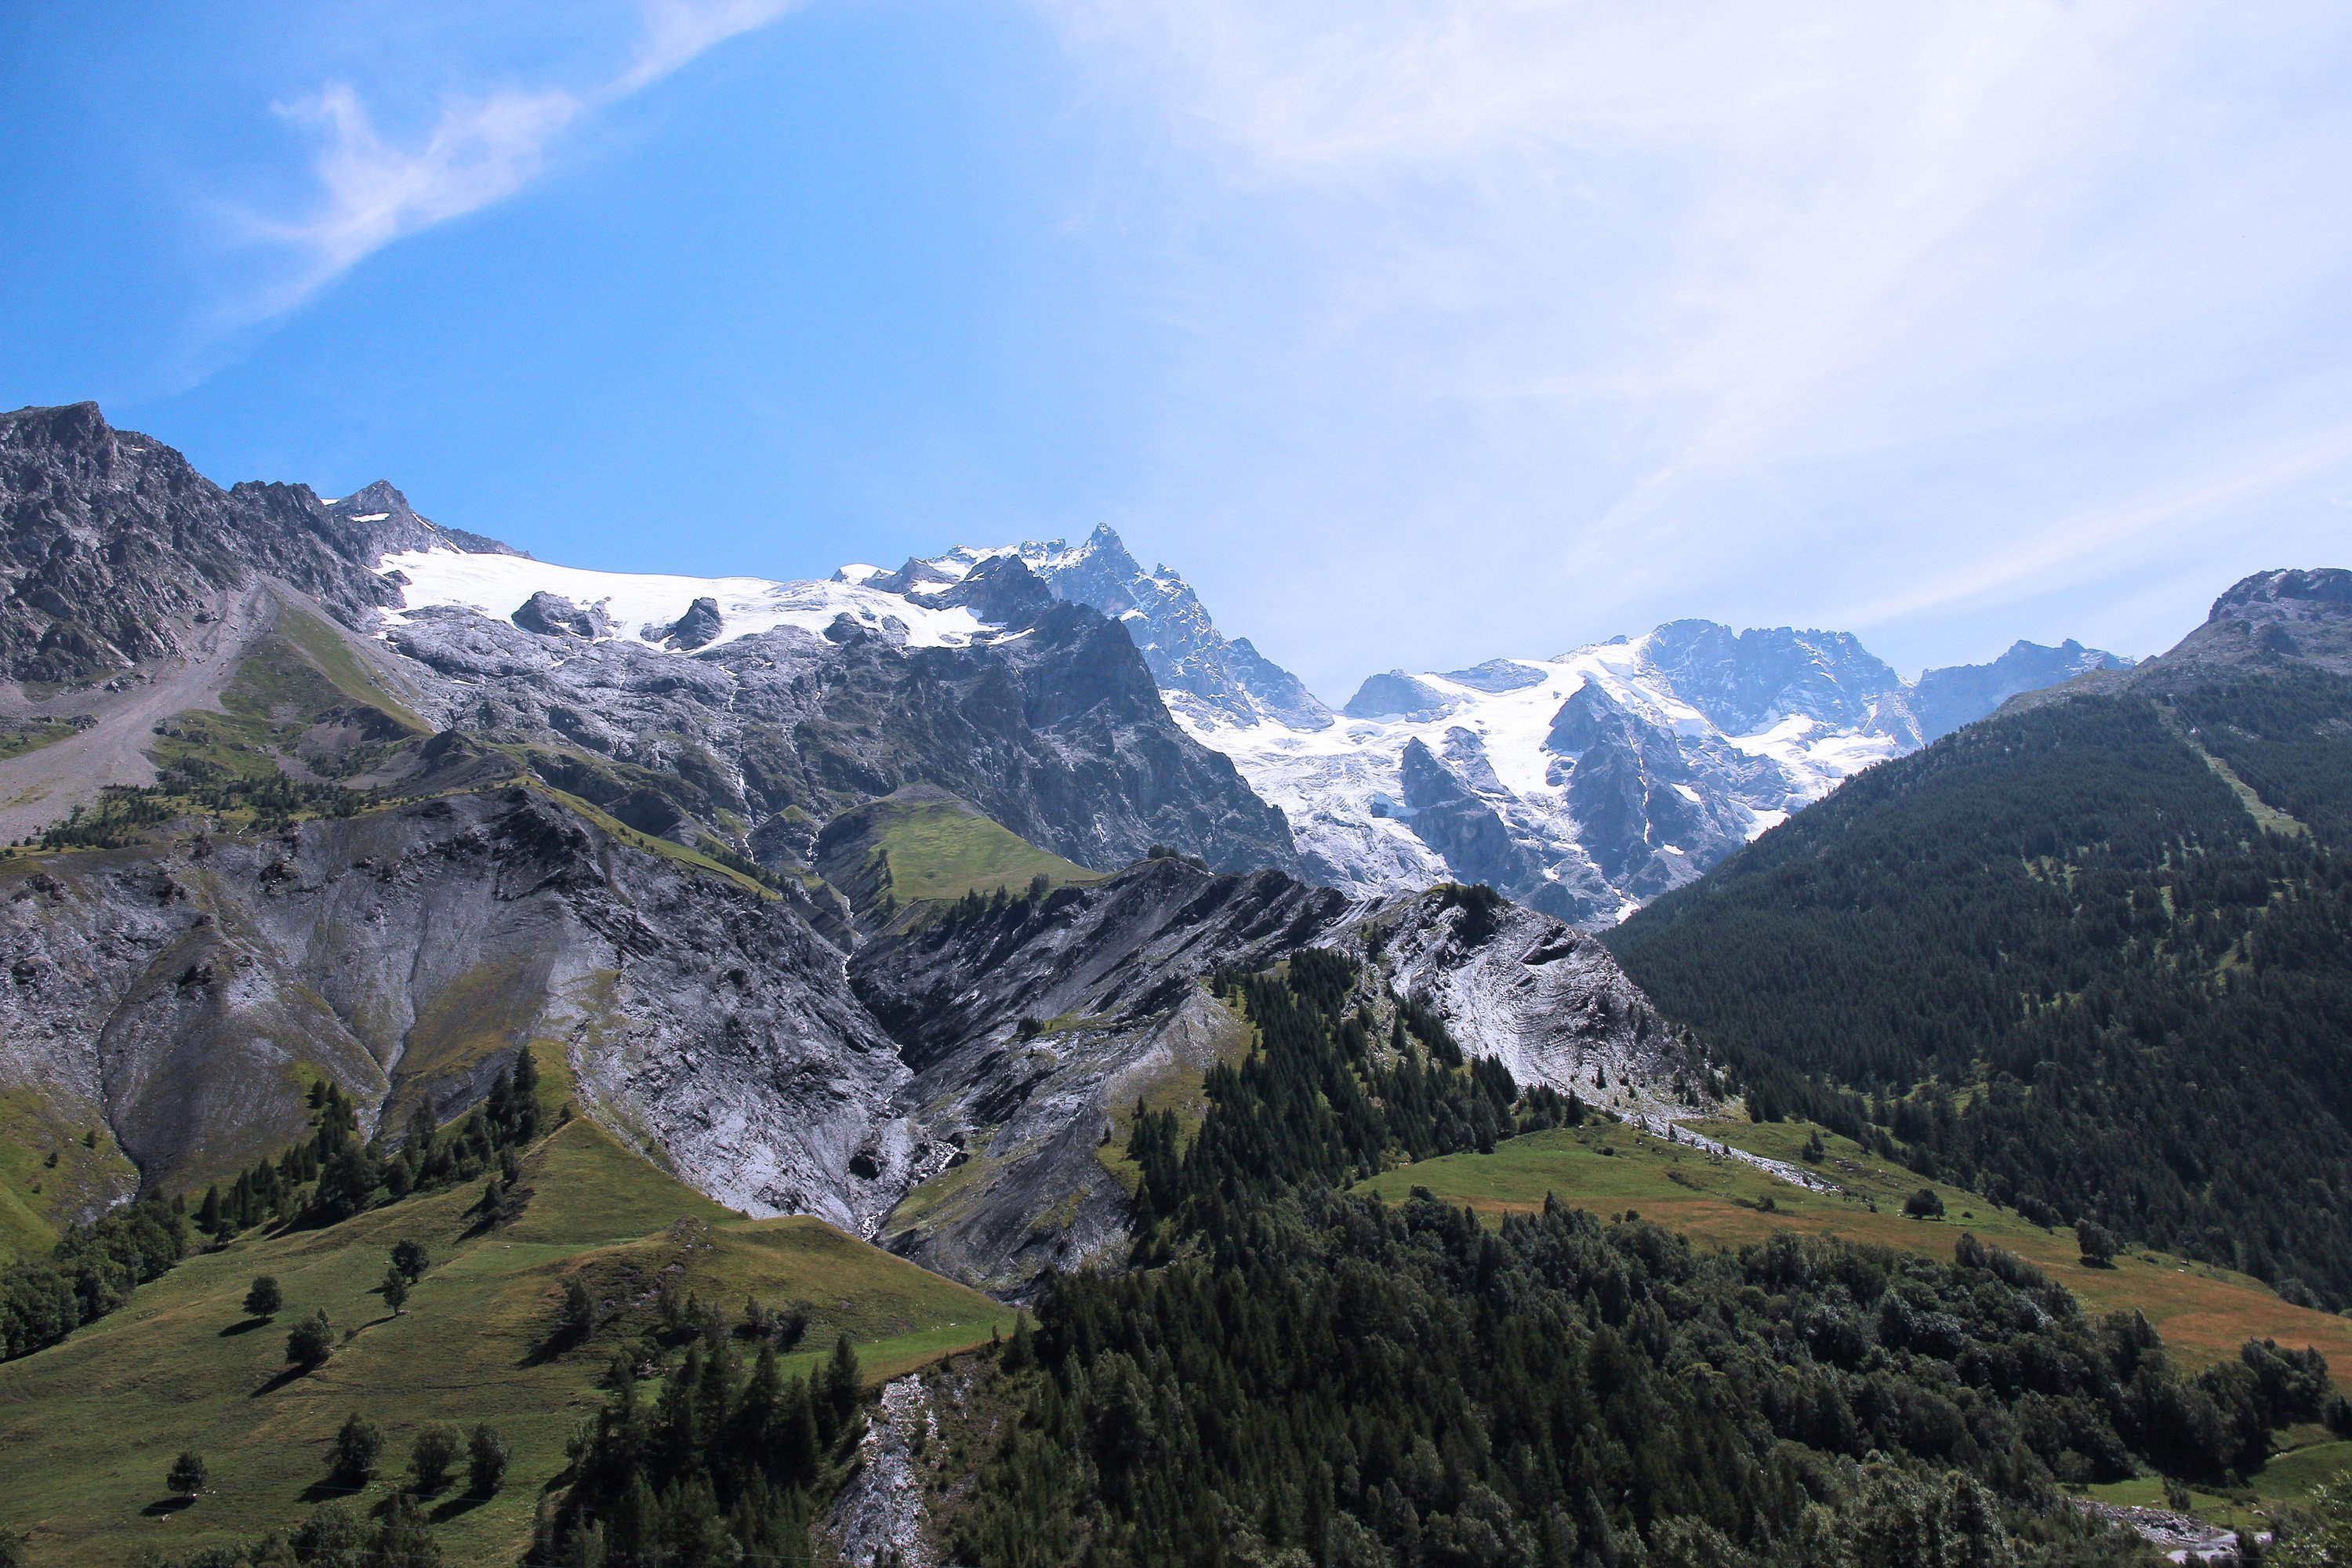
{"x": 998, "y": 589}
{"x": 1745, "y": 681}
{"x": 1208, "y": 681}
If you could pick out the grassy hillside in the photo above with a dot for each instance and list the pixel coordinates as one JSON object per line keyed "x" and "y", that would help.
{"x": 2069, "y": 965}
{"x": 923, "y": 845}
{"x": 298, "y": 693}
{"x": 2204, "y": 1313}
{"x": 88, "y": 1427}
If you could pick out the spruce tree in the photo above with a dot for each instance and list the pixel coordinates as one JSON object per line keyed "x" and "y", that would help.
{"x": 841, "y": 1385}
{"x": 577, "y": 1315}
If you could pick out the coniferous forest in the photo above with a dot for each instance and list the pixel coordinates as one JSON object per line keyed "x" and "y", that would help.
{"x": 2055, "y": 957}
{"x": 1303, "y": 1375}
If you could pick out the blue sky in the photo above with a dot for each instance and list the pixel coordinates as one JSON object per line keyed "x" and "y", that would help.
{"x": 1412, "y": 333}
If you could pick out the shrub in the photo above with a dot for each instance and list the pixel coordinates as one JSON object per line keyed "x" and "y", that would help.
{"x": 2098, "y": 1244}
{"x": 1924, "y": 1204}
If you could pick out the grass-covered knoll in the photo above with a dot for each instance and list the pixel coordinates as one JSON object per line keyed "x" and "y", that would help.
{"x": 87, "y": 1428}
{"x": 2204, "y": 1313}
{"x": 923, "y": 845}
{"x": 2066, "y": 966}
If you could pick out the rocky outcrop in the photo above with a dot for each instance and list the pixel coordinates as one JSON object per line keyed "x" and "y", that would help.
{"x": 552, "y": 615}
{"x": 1397, "y": 695}
{"x": 1029, "y": 1026}
{"x": 698, "y": 627}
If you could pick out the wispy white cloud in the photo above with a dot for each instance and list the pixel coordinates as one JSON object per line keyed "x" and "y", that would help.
{"x": 1730, "y": 309}
{"x": 480, "y": 150}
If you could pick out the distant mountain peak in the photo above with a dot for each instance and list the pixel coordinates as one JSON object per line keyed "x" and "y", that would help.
{"x": 1208, "y": 680}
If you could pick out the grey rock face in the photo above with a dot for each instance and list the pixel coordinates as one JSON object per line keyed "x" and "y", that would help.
{"x": 1116, "y": 967}
{"x": 1546, "y": 1000}
{"x": 1457, "y": 819}
{"x": 113, "y": 550}
{"x": 190, "y": 991}
{"x": 1396, "y": 695}
{"x": 2271, "y": 620}
{"x": 1193, "y": 664}
{"x": 1744, "y": 680}
{"x": 1052, "y": 726}
{"x": 2270, "y": 623}
{"x": 1114, "y": 974}
{"x": 1944, "y": 699}
{"x": 700, "y": 627}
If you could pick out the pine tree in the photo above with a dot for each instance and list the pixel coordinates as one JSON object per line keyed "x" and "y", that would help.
{"x": 265, "y": 1298}
{"x": 187, "y": 1477}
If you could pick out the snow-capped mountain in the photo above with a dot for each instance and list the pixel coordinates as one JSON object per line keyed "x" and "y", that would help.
{"x": 1586, "y": 784}
{"x": 1202, "y": 676}
{"x": 1583, "y": 785}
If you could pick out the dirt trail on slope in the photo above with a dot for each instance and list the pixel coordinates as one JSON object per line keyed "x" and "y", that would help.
{"x": 41, "y": 786}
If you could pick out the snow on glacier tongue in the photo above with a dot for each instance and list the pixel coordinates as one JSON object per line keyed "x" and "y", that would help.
{"x": 639, "y": 603}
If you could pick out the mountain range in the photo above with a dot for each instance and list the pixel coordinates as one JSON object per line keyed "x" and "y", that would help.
{"x": 1580, "y": 785}
{"x": 993, "y": 923}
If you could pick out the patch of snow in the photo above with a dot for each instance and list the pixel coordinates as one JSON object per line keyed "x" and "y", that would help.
{"x": 497, "y": 585}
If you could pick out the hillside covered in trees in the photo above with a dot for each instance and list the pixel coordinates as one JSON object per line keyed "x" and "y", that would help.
{"x": 1308, "y": 1377}
{"x": 2093, "y": 959}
